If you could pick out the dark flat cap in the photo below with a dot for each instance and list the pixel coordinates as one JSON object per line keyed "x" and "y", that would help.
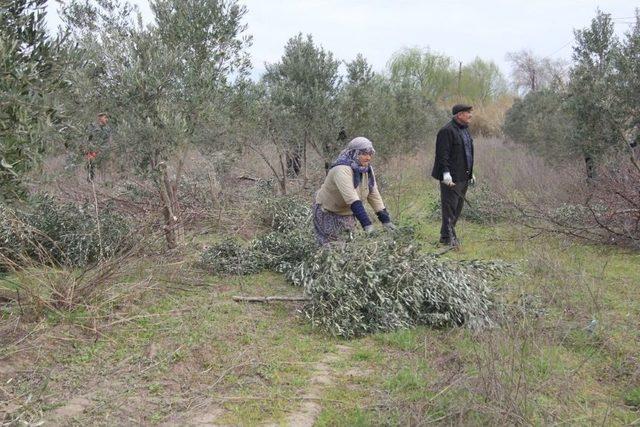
{"x": 461, "y": 107}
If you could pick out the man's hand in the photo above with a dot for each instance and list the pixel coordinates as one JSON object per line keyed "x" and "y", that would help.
{"x": 389, "y": 226}
{"x": 472, "y": 181}
{"x": 447, "y": 180}
{"x": 368, "y": 229}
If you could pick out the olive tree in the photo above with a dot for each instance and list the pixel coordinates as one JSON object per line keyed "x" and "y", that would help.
{"x": 591, "y": 98}
{"x": 627, "y": 86}
{"x": 596, "y": 112}
{"x": 163, "y": 81}
{"x": 541, "y": 120}
{"x": 267, "y": 129}
{"x": 302, "y": 89}
{"x": 357, "y": 99}
{"x": 30, "y": 75}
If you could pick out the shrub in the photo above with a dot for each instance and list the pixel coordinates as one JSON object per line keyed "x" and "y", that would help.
{"x": 228, "y": 257}
{"x": 276, "y": 251}
{"x": 60, "y": 233}
{"x": 284, "y": 213}
{"x": 289, "y": 243}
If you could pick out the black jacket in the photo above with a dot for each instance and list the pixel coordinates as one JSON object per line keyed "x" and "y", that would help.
{"x": 450, "y": 154}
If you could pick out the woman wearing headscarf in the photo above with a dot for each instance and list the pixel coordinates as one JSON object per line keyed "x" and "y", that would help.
{"x": 349, "y": 181}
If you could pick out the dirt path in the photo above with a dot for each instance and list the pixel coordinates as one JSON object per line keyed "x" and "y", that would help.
{"x": 323, "y": 376}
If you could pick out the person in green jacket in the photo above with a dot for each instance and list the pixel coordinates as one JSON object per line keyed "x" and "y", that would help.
{"x": 97, "y": 143}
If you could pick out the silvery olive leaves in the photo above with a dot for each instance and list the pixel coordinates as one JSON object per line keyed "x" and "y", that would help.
{"x": 53, "y": 233}
{"x": 364, "y": 285}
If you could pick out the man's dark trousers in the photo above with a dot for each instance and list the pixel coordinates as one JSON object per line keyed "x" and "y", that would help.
{"x": 452, "y": 201}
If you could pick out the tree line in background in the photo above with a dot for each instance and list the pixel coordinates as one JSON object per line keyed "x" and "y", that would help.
{"x": 182, "y": 83}
{"x": 593, "y": 111}
{"x": 590, "y": 115}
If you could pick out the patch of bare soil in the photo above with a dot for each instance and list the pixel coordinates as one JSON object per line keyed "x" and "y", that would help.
{"x": 206, "y": 417}
{"x": 8, "y": 368}
{"x": 72, "y": 408}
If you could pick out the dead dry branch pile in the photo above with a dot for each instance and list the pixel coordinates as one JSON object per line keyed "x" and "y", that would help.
{"x": 606, "y": 210}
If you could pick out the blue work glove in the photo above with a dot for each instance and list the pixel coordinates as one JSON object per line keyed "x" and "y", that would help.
{"x": 385, "y": 219}
{"x": 383, "y": 216}
{"x": 360, "y": 213}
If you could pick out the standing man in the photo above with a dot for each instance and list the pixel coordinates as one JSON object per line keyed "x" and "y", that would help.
{"x": 453, "y": 167}
{"x": 98, "y": 141}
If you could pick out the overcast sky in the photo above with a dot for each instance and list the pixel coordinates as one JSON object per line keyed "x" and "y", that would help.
{"x": 462, "y": 29}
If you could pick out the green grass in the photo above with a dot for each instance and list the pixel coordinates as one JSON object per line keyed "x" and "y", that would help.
{"x": 406, "y": 339}
{"x": 632, "y": 398}
{"x": 177, "y": 353}
{"x": 349, "y": 417}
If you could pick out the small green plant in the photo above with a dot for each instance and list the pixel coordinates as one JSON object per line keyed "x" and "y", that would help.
{"x": 632, "y": 398}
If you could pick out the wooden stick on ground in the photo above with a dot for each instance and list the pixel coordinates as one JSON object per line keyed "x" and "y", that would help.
{"x": 269, "y": 299}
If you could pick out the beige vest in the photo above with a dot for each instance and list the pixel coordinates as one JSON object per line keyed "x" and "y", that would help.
{"x": 337, "y": 193}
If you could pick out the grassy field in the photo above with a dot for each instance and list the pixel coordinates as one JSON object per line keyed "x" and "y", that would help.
{"x": 182, "y": 352}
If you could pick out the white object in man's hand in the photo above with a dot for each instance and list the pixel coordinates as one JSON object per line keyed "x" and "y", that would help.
{"x": 472, "y": 181}
{"x": 447, "y": 180}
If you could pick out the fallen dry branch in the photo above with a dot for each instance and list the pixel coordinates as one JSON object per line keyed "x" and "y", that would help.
{"x": 269, "y": 299}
